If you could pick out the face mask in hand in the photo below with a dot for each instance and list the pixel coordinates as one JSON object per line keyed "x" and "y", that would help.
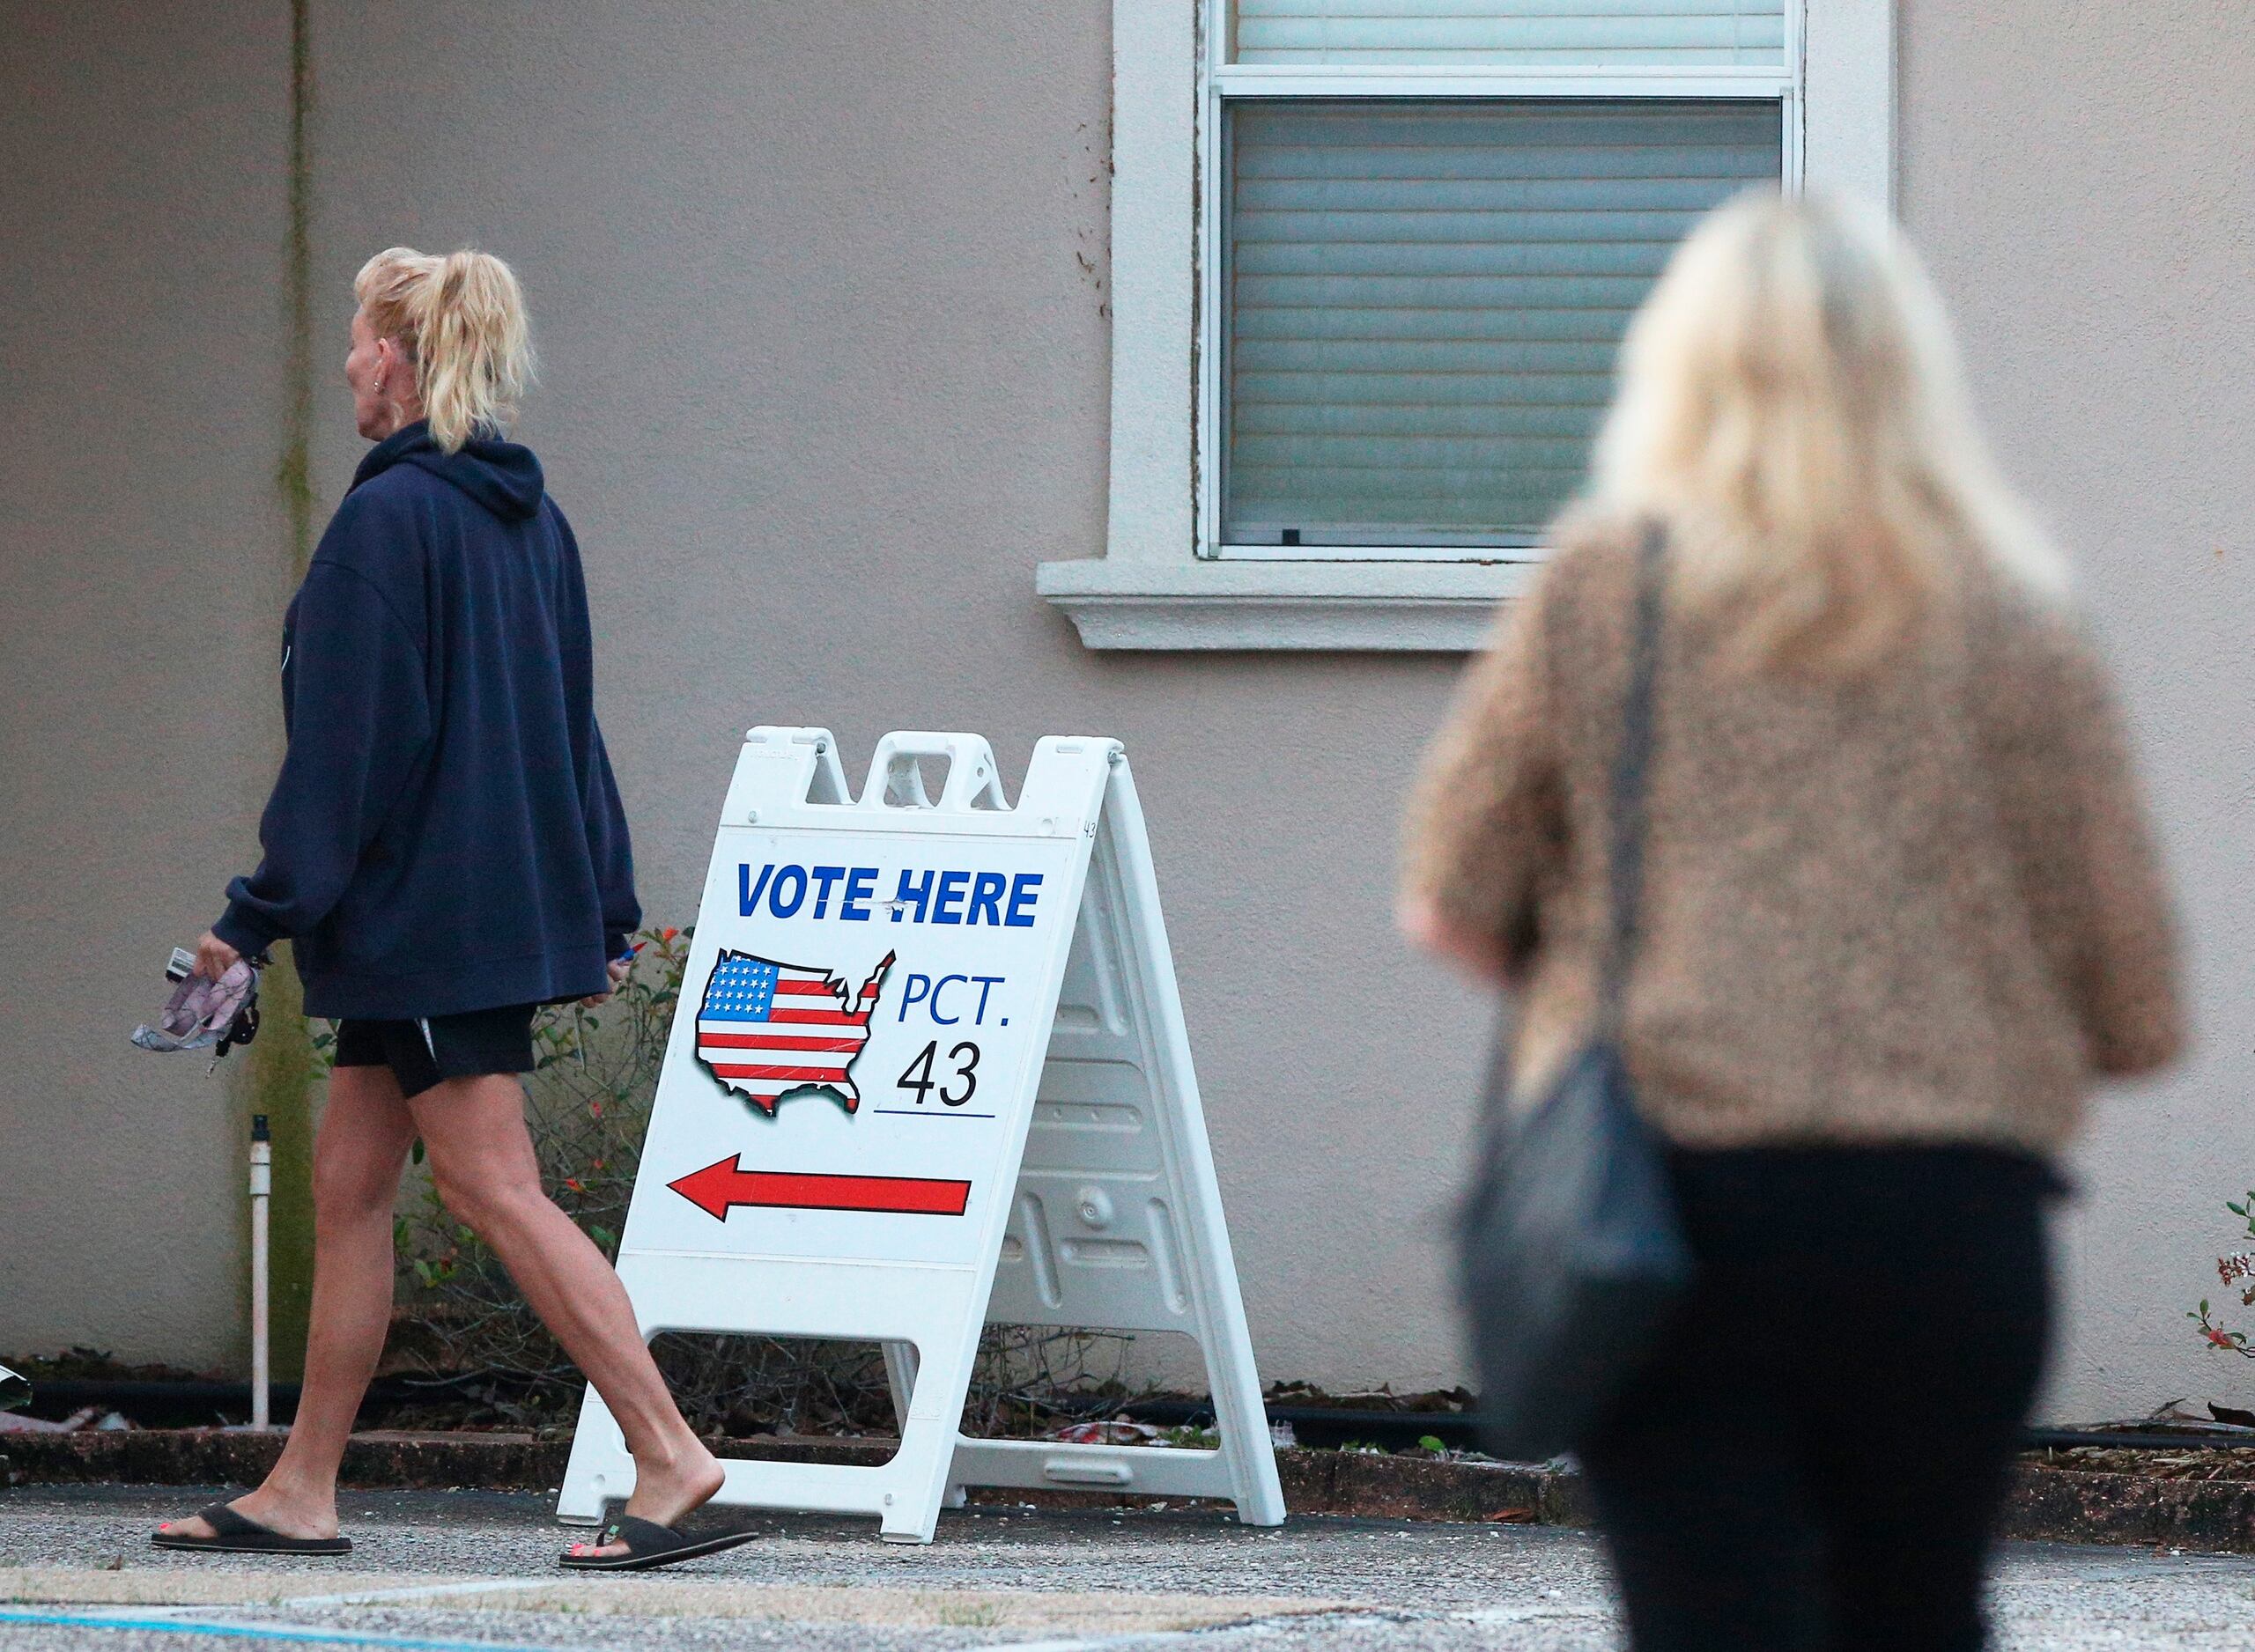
{"x": 205, "y": 1015}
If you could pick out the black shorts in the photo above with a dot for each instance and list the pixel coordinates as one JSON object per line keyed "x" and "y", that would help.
{"x": 422, "y": 1053}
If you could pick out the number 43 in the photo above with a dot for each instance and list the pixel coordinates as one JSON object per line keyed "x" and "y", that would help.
{"x": 918, "y": 1075}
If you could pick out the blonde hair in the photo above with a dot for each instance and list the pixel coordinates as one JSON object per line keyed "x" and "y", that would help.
{"x": 460, "y": 319}
{"x": 1792, "y": 406}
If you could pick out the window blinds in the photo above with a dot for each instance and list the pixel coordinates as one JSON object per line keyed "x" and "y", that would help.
{"x": 1423, "y": 300}
{"x": 1520, "y": 33}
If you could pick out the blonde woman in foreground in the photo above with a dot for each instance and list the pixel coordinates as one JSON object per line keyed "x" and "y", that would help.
{"x": 446, "y": 852}
{"x": 1901, "y": 908}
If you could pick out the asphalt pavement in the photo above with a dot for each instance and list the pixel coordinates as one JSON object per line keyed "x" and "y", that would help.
{"x": 472, "y": 1571}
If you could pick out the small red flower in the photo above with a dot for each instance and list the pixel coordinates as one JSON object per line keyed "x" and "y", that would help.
{"x": 667, "y": 932}
{"x": 595, "y": 1109}
{"x": 2221, "y": 1339}
{"x": 572, "y": 1182}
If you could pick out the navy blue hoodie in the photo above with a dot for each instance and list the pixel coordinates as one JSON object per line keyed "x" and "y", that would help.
{"x": 446, "y": 834}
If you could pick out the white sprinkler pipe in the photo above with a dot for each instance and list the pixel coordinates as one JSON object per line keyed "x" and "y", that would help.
{"x": 261, "y": 1188}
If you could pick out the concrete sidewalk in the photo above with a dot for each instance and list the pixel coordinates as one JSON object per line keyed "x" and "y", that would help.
{"x": 473, "y": 1569}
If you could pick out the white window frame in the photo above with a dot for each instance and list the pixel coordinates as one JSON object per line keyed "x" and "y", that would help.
{"x": 1227, "y": 84}
{"x": 1163, "y": 582}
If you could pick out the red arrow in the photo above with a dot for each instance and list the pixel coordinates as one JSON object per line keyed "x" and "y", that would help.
{"x": 723, "y": 1184}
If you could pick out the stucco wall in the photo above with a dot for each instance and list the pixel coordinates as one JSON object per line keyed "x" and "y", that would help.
{"x": 141, "y": 547}
{"x": 2082, "y": 176}
{"x": 825, "y": 377}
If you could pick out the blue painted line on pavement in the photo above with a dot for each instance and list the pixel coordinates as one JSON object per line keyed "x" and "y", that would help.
{"x": 303, "y": 1636}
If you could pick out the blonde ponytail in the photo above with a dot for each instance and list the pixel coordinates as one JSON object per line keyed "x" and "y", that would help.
{"x": 460, "y": 319}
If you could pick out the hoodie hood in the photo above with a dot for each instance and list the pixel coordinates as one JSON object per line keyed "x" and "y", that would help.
{"x": 503, "y": 477}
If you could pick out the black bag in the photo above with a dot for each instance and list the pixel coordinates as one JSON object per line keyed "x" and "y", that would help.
{"x": 1572, "y": 1259}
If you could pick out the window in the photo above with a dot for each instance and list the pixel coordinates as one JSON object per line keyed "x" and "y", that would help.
{"x": 1368, "y": 295}
{"x": 1420, "y": 301}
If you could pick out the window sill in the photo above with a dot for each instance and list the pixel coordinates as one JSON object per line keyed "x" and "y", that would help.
{"x": 1363, "y": 607}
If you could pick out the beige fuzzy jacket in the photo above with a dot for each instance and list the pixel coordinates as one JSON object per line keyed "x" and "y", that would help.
{"x": 1921, "y": 905}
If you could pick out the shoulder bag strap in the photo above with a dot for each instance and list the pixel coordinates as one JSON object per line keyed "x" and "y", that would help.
{"x": 1631, "y": 775}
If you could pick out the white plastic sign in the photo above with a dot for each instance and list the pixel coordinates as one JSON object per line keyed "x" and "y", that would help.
{"x": 929, "y": 1068}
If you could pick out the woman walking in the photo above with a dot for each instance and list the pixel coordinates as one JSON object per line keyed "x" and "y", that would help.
{"x": 445, "y": 849}
{"x": 1899, "y": 907}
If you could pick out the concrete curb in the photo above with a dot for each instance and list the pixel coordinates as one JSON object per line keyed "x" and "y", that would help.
{"x": 2046, "y": 1503}
{"x": 2073, "y": 1506}
{"x": 1315, "y": 1482}
{"x": 1383, "y": 1488}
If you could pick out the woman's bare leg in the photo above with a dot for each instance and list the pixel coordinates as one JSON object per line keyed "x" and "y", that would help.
{"x": 364, "y": 1136}
{"x": 482, "y": 1158}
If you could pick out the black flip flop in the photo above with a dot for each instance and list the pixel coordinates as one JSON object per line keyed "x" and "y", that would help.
{"x": 238, "y": 1534}
{"x": 648, "y": 1544}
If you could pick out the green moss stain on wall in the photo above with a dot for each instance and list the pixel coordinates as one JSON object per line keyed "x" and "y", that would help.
{"x": 281, "y": 1074}
{"x": 279, "y": 1077}
{"x": 294, "y": 476}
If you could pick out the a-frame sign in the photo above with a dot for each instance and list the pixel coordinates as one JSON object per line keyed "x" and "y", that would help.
{"x": 930, "y": 1070}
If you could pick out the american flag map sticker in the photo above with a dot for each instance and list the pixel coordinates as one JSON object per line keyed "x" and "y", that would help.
{"x": 768, "y": 1029}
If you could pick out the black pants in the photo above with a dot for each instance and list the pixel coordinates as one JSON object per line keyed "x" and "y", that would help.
{"x": 1815, "y": 1458}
